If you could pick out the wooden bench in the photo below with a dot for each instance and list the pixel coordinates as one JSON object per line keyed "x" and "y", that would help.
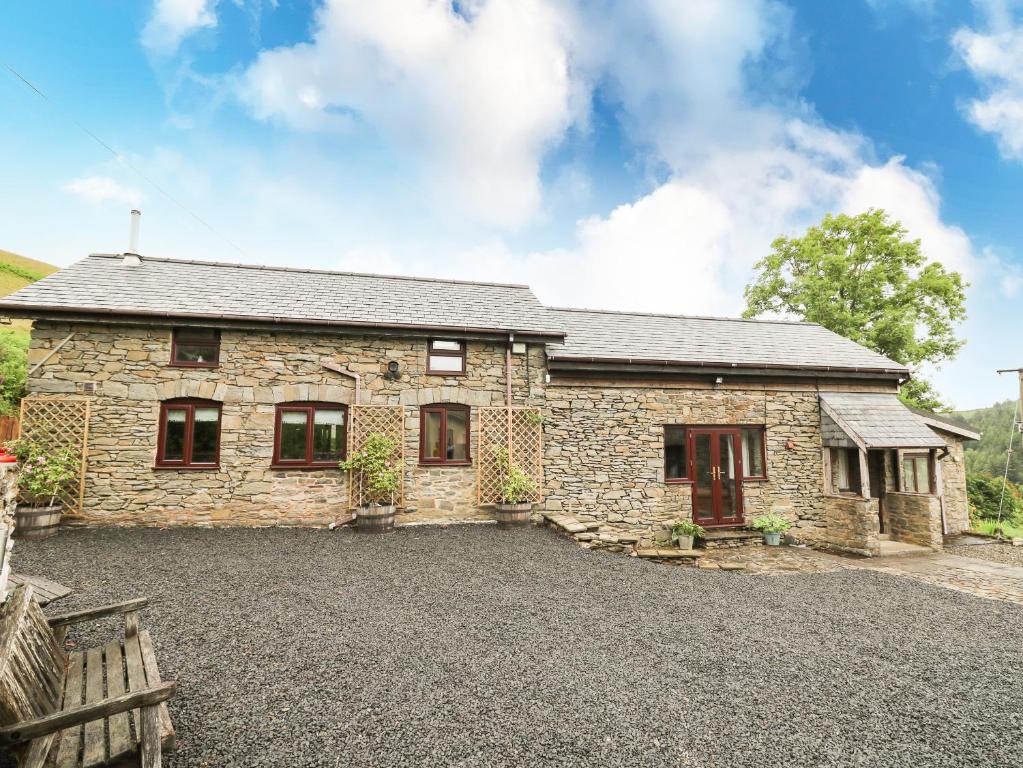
{"x": 103, "y": 706}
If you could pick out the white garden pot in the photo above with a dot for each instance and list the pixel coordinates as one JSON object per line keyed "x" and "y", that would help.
{"x": 772, "y": 539}
{"x": 685, "y": 542}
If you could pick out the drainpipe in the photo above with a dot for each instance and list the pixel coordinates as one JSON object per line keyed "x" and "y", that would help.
{"x": 508, "y": 389}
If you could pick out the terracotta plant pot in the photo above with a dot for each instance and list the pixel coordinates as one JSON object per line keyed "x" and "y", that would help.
{"x": 36, "y": 522}
{"x": 513, "y": 515}
{"x": 377, "y": 518}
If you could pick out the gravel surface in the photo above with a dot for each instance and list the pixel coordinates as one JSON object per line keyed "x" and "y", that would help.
{"x": 471, "y": 646}
{"x": 1002, "y": 552}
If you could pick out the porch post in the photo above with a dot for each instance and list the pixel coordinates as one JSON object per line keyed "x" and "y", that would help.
{"x": 864, "y": 474}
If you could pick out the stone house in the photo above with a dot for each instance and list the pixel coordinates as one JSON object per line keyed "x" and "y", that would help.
{"x": 226, "y": 394}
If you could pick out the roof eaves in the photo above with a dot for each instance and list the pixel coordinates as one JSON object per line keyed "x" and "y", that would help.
{"x": 726, "y": 364}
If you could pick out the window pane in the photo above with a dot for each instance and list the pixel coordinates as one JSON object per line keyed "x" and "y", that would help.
{"x": 195, "y": 353}
{"x": 328, "y": 435}
{"x": 197, "y": 334}
{"x": 675, "y": 465}
{"x": 842, "y": 467}
{"x": 174, "y": 436}
{"x": 431, "y": 435}
{"x": 294, "y": 429}
{"x": 457, "y": 449}
{"x": 446, "y": 363}
{"x": 204, "y": 436}
{"x": 447, "y": 346}
{"x": 753, "y": 452}
{"x": 923, "y": 480}
{"x": 908, "y": 475}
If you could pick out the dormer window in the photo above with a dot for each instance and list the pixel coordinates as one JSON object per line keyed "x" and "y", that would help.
{"x": 195, "y": 347}
{"x": 445, "y": 358}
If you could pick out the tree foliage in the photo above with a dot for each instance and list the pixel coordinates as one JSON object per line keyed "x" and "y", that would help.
{"x": 987, "y": 455}
{"x": 13, "y": 365}
{"x": 861, "y": 277}
{"x": 984, "y": 492}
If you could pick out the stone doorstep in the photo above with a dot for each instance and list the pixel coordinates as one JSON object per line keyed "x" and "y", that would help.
{"x": 668, "y": 553}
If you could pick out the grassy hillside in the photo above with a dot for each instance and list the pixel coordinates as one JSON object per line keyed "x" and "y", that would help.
{"x": 17, "y": 271}
{"x": 988, "y": 454}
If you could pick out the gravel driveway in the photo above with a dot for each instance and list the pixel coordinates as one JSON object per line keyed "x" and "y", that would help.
{"x": 471, "y": 646}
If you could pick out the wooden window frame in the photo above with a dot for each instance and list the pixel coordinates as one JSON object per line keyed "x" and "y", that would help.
{"x": 179, "y": 336}
{"x": 446, "y": 353}
{"x": 309, "y": 408}
{"x": 188, "y": 405}
{"x": 688, "y": 430}
{"x": 444, "y": 409}
{"x": 914, "y": 456}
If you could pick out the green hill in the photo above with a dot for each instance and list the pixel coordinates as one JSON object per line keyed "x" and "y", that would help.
{"x": 17, "y": 271}
{"x": 988, "y": 453}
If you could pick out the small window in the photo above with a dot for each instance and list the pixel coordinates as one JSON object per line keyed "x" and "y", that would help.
{"x": 753, "y": 464}
{"x": 444, "y": 434}
{"x": 189, "y": 434}
{"x": 446, "y": 358}
{"x": 195, "y": 347}
{"x": 845, "y": 471}
{"x": 310, "y": 435}
{"x": 916, "y": 472}
{"x": 676, "y": 464}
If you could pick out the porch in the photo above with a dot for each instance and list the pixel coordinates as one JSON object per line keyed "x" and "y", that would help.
{"x": 882, "y": 474}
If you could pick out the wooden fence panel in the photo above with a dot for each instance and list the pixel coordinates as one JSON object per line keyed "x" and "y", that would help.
{"x": 386, "y": 420}
{"x": 525, "y": 448}
{"x": 58, "y": 423}
{"x": 9, "y": 428}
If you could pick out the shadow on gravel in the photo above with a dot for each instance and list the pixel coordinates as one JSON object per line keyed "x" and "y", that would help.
{"x": 472, "y": 646}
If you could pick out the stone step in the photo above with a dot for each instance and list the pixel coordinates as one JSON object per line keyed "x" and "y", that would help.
{"x": 668, "y": 553}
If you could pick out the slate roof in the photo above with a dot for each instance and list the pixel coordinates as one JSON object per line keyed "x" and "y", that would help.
{"x": 879, "y": 420}
{"x": 946, "y": 423}
{"x": 602, "y": 336}
{"x": 101, "y": 284}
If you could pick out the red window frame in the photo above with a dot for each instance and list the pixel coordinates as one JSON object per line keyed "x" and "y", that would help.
{"x": 690, "y": 448}
{"x": 445, "y": 353}
{"x": 443, "y": 410}
{"x": 309, "y": 408}
{"x": 180, "y": 336}
{"x": 188, "y": 405}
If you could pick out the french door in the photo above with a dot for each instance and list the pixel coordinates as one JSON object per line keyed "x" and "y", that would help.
{"x": 717, "y": 476}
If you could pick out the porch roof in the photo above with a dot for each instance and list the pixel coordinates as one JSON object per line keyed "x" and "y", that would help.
{"x": 876, "y": 420}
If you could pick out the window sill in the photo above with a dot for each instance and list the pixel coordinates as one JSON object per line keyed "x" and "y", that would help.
{"x": 193, "y": 365}
{"x": 755, "y": 479}
{"x": 442, "y": 464}
{"x": 187, "y": 467}
{"x": 678, "y": 481}
{"x": 447, "y": 374}
{"x": 305, "y": 467}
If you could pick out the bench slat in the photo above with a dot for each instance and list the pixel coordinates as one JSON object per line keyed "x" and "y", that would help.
{"x": 70, "y": 738}
{"x": 136, "y": 676}
{"x": 153, "y": 678}
{"x": 120, "y": 731}
{"x": 94, "y": 751}
{"x": 37, "y": 752}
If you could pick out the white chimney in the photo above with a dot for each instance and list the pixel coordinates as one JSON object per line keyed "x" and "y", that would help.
{"x": 131, "y": 256}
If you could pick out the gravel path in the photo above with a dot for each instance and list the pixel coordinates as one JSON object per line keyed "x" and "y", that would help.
{"x": 997, "y": 553}
{"x": 471, "y": 646}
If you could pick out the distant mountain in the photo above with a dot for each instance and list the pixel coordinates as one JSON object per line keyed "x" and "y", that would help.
{"x": 988, "y": 453}
{"x": 17, "y": 271}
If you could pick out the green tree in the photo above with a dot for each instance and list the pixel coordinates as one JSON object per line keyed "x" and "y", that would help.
{"x": 861, "y": 277}
{"x": 13, "y": 363}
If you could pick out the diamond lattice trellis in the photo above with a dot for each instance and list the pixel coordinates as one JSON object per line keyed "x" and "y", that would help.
{"x": 59, "y": 423}
{"x": 386, "y": 420}
{"x": 525, "y": 448}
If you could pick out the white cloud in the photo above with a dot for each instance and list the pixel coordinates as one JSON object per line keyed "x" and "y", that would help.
{"x": 101, "y": 189}
{"x": 174, "y": 20}
{"x": 995, "y": 58}
{"x": 475, "y": 99}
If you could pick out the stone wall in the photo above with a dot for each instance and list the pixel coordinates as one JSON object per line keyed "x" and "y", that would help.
{"x": 604, "y": 456}
{"x": 953, "y": 483}
{"x": 914, "y": 518}
{"x": 8, "y": 500}
{"x": 259, "y": 369}
{"x": 852, "y": 525}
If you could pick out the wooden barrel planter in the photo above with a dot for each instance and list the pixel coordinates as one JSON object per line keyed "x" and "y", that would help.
{"x": 376, "y": 519}
{"x": 36, "y": 522}
{"x": 513, "y": 515}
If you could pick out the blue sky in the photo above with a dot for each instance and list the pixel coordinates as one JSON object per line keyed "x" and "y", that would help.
{"x": 636, "y": 155}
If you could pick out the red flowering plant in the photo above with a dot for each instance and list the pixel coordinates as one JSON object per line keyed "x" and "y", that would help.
{"x": 42, "y": 472}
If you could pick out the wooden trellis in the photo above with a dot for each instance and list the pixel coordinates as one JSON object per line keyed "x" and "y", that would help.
{"x": 386, "y": 420}
{"x": 525, "y": 447}
{"x": 60, "y": 423}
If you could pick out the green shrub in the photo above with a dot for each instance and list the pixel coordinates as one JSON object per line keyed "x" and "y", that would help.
{"x": 770, "y": 523}
{"x": 42, "y": 472}
{"x": 686, "y": 528}
{"x": 373, "y": 470}
{"x": 13, "y": 365}
{"x": 516, "y": 486}
{"x": 983, "y": 492}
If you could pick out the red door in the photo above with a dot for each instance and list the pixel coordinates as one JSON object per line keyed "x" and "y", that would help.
{"x": 717, "y": 473}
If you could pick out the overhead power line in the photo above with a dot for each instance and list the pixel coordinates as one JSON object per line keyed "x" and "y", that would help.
{"x": 120, "y": 157}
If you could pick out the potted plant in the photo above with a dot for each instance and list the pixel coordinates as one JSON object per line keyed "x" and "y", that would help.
{"x": 376, "y": 483}
{"x": 684, "y": 531}
{"x": 41, "y": 475}
{"x": 516, "y": 492}
{"x": 772, "y": 525}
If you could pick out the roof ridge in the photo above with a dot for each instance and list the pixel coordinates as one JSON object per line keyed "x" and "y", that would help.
{"x": 684, "y": 317}
{"x": 300, "y": 270}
